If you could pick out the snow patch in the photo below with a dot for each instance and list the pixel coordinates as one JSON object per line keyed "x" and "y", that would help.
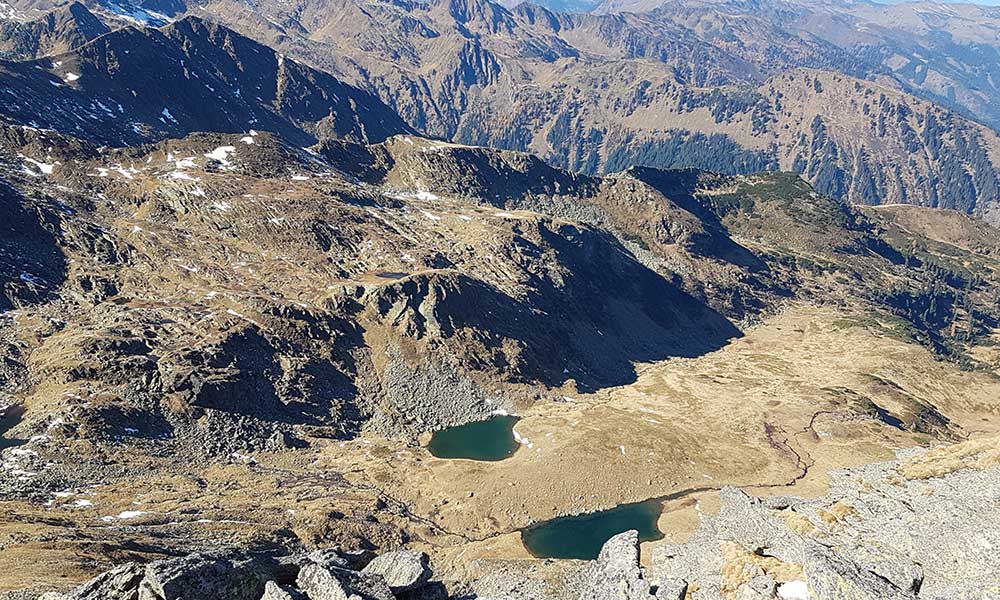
{"x": 520, "y": 439}
{"x": 44, "y": 168}
{"x": 124, "y": 515}
{"x": 221, "y": 153}
{"x": 794, "y": 590}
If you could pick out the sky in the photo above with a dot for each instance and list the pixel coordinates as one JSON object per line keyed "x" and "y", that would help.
{"x": 980, "y": 2}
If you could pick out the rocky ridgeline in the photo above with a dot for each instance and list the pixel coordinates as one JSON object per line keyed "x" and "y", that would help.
{"x": 319, "y": 575}
{"x": 917, "y": 527}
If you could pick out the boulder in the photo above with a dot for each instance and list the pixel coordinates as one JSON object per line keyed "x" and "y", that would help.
{"x": 620, "y": 555}
{"x": 905, "y": 575}
{"x": 326, "y": 558}
{"x": 616, "y": 574}
{"x": 120, "y": 583}
{"x": 273, "y": 591}
{"x": 671, "y": 589}
{"x": 403, "y": 570}
{"x": 319, "y": 584}
{"x": 202, "y": 576}
{"x": 334, "y": 583}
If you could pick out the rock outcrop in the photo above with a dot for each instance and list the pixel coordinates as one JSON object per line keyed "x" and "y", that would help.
{"x": 905, "y": 529}
{"x": 402, "y": 570}
{"x": 316, "y": 576}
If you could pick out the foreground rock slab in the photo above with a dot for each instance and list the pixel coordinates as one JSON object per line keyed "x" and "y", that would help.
{"x": 402, "y": 570}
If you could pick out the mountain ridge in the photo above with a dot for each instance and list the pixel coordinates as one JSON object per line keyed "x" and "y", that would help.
{"x": 543, "y": 87}
{"x": 125, "y": 86}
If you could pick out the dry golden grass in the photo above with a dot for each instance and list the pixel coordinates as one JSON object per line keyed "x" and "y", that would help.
{"x": 738, "y": 568}
{"x": 980, "y": 453}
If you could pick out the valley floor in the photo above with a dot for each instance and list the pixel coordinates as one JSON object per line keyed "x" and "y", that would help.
{"x": 811, "y": 390}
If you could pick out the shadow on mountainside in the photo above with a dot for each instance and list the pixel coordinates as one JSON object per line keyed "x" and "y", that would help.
{"x": 31, "y": 264}
{"x": 590, "y": 323}
{"x": 679, "y": 186}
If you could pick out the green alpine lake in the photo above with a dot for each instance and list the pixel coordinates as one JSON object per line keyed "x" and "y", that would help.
{"x": 581, "y": 536}
{"x": 489, "y": 440}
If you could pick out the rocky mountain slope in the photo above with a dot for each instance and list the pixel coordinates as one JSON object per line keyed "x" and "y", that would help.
{"x": 224, "y": 354}
{"x": 180, "y": 310}
{"x": 943, "y": 52}
{"x": 134, "y": 85}
{"x": 597, "y": 93}
{"x": 877, "y": 534}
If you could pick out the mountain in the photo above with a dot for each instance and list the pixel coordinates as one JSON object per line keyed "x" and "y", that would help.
{"x": 944, "y": 52}
{"x": 59, "y": 31}
{"x": 222, "y": 326}
{"x": 597, "y": 93}
{"x": 264, "y": 337}
{"x": 134, "y": 85}
{"x": 692, "y": 84}
{"x": 336, "y": 281}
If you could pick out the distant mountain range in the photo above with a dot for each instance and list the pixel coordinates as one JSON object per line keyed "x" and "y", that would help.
{"x": 873, "y": 104}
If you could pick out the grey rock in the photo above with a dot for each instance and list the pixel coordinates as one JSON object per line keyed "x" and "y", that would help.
{"x": 616, "y": 574}
{"x": 366, "y": 586}
{"x": 120, "y": 583}
{"x": 402, "y": 570}
{"x": 326, "y": 558}
{"x": 764, "y": 585}
{"x": 620, "y": 555}
{"x": 318, "y": 583}
{"x": 671, "y": 589}
{"x": 434, "y": 590}
{"x": 903, "y": 574}
{"x": 201, "y": 576}
{"x": 273, "y": 591}
{"x": 837, "y": 578}
{"x": 334, "y": 583}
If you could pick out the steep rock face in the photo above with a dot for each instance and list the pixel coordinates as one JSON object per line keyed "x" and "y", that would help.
{"x": 31, "y": 264}
{"x": 895, "y": 150}
{"x": 132, "y": 86}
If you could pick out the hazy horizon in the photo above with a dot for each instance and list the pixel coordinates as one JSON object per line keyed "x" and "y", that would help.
{"x": 979, "y": 2}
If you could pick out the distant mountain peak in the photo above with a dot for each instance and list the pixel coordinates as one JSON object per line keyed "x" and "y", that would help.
{"x": 60, "y": 30}
{"x": 134, "y": 85}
